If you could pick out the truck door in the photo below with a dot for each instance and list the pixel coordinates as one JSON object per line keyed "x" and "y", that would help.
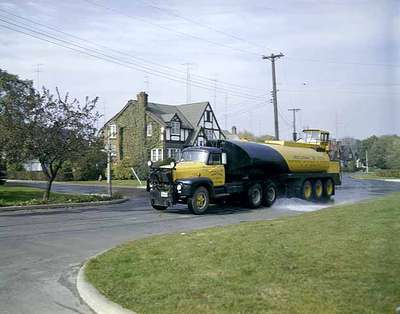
{"x": 214, "y": 169}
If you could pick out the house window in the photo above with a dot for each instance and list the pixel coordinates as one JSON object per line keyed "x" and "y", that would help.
{"x": 209, "y": 134}
{"x": 175, "y": 127}
{"x": 156, "y": 154}
{"x": 208, "y": 116}
{"x": 174, "y": 153}
{"x": 149, "y": 129}
{"x": 112, "y": 132}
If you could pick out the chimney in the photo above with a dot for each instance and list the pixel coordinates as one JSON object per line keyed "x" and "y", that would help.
{"x": 142, "y": 99}
{"x": 234, "y": 131}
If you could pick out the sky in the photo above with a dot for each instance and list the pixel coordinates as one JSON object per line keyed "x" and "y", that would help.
{"x": 341, "y": 63}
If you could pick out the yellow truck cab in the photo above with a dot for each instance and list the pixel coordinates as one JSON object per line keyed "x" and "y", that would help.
{"x": 256, "y": 172}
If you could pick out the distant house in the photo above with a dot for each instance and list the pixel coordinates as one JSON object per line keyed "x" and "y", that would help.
{"x": 144, "y": 130}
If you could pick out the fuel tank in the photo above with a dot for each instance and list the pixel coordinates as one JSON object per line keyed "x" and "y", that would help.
{"x": 274, "y": 158}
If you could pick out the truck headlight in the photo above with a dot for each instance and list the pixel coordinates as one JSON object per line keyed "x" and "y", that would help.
{"x": 179, "y": 187}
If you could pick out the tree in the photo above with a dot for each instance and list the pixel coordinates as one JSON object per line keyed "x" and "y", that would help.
{"x": 16, "y": 97}
{"x": 51, "y": 129}
{"x": 58, "y": 129}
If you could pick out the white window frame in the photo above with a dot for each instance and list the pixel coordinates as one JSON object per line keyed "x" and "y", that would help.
{"x": 175, "y": 128}
{"x": 174, "y": 153}
{"x": 112, "y": 131}
{"x": 156, "y": 154}
{"x": 149, "y": 129}
{"x": 209, "y": 132}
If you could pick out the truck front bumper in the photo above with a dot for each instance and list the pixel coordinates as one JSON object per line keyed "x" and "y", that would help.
{"x": 161, "y": 198}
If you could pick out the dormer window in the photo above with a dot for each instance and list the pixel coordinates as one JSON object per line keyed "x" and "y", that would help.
{"x": 175, "y": 128}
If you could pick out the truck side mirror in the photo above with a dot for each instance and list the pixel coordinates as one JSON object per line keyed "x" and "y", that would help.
{"x": 224, "y": 160}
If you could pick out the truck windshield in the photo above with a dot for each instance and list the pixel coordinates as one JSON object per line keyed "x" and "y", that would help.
{"x": 194, "y": 155}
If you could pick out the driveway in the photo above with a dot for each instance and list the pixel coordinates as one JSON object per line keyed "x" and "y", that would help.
{"x": 41, "y": 253}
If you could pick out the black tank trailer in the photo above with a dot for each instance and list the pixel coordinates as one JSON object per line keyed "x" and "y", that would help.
{"x": 256, "y": 173}
{"x": 249, "y": 160}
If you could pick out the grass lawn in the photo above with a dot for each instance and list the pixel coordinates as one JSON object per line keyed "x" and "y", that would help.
{"x": 120, "y": 183}
{"x": 344, "y": 259}
{"x": 16, "y": 195}
{"x": 371, "y": 176}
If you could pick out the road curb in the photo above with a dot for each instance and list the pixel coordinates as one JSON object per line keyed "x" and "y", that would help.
{"x": 93, "y": 298}
{"x": 44, "y": 208}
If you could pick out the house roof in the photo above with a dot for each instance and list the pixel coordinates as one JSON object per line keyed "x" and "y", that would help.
{"x": 193, "y": 111}
{"x": 189, "y": 114}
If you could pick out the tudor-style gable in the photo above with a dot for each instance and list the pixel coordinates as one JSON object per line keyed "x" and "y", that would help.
{"x": 209, "y": 124}
{"x": 176, "y": 130}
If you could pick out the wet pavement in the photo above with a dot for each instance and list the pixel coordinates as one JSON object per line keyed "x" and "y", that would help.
{"x": 41, "y": 253}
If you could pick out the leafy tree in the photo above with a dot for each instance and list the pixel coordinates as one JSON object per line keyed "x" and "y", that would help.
{"x": 51, "y": 129}
{"x": 16, "y": 97}
{"x": 58, "y": 129}
{"x": 92, "y": 164}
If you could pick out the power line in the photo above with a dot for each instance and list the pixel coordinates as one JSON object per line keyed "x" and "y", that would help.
{"x": 171, "y": 13}
{"x": 199, "y": 78}
{"x": 230, "y": 35}
{"x": 107, "y": 57}
{"x": 95, "y": 3}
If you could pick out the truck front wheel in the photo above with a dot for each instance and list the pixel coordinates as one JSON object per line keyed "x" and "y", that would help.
{"x": 254, "y": 196}
{"x": 198, "y": 204}
{"x": 270, "y": 194}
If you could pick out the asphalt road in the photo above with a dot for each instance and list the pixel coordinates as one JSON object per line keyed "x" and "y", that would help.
{"x": 40, "y": 253}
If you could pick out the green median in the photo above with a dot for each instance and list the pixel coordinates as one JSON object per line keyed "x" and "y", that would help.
{"x": 20, "y": 196}
{"x": 344, "y": 259}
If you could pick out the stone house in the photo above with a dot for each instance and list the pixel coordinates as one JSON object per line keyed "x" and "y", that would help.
{"x": 144, "y": 130}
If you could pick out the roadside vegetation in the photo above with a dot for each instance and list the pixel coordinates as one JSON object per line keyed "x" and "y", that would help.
{"x": 378, "y": 174}
{"x": 343, "y": 259}
{"x": 18, "y": 196}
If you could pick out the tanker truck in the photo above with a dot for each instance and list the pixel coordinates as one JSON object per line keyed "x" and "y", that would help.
{"x": 257, "y": 173}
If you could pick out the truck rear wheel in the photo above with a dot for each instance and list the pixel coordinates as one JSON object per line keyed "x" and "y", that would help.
{"x": 318, "y": 190}
{"x": 306, "y": 190}
{"x": 329, "y": 188}
{"x": 198, "y": 204}
{"x": 270, "y": 194}
{"x": 254, "y": 196}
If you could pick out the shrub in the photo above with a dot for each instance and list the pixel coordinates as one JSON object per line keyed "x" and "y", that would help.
{"x": 392, "y": 173}
{"x": 122, "y": 170}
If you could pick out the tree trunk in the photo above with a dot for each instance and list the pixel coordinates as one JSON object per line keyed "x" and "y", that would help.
{"x": 46, "y": 194}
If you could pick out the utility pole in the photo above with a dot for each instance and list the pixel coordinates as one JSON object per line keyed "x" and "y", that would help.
{"x": 147, "y": 83}
{"x": 215, "y": 95}
{"x": 188, "y": 82}
{"x": 226, "y": 112}
{"x": 366, "y": 161}
{"x": 108, "y": 151}
{"x": 294, "y": 110}
{"x": 37, "y": 71}
{"x": 272, "y": 58}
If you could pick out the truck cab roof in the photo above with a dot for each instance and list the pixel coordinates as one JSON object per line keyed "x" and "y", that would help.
{"x": 205, "y": 148}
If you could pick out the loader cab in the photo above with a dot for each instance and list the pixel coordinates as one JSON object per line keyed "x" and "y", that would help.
{"x": 316, "y": 137}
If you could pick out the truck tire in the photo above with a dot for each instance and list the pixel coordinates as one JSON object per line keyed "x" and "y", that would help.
{"x": 318, "y": 190}
{"x": 270, "y": 194}
{"x": 200, "y": 200}
{"x": 329, "y": 188}
{"x": 306, "y": 190}
{"x": 254, "y": 196}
